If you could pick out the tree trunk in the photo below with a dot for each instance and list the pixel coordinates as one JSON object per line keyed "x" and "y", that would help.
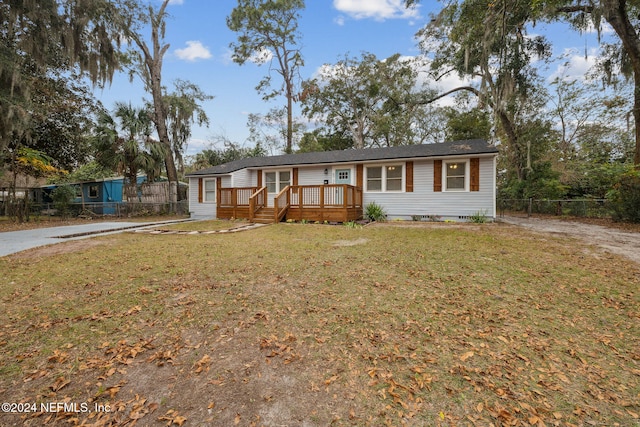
{"x": 616, "y": 14}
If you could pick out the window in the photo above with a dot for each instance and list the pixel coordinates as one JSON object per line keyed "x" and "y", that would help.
{"x": 209, "y": 190}
{"x": 384, "y": 178}
{"x": 277, "y": 181}
{"x": 93, "y": 191}
{"x": 284, "y": 179}
{"x": 374, "y": 178}
{"x": 394, "y": 178}
{"x": 455, "y": 179}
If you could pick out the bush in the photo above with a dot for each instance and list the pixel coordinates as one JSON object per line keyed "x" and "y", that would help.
{"x": 479, "y": 217}
{"x": 375, "y": 212}
{"x": 625, "y": 197}
{"x": 62, "y": 197}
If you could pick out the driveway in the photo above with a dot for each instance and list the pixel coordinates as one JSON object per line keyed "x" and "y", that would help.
{"x": 615, "y": 241}
{"x": 17, "y": 241}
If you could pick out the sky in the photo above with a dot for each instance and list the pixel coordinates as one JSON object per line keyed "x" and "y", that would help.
{"x": 200, "y": 53}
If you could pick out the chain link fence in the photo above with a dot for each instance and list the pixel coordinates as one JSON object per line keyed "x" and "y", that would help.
{"x": 24, "y": 209}
{"x": 587, "y": 208}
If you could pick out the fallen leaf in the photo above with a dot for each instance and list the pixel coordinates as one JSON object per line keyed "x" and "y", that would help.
{"x": 467, "y": 355}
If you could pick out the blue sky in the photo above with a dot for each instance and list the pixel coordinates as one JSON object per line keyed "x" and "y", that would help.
{"x": 200, "y": 53}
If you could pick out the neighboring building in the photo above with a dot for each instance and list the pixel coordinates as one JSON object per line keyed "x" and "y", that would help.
{"x": 451, "y": 180}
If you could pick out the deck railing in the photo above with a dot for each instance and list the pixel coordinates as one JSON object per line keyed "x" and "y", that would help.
{"x": 281, "y": 203}
{"x": 311, "y": 200}
{"x": 257, "y": 201}
{"x": 326, "y": 196}
{"x": 235, "y": 196}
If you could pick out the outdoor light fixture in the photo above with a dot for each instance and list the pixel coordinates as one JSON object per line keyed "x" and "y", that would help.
{"x": 326, "y": 171}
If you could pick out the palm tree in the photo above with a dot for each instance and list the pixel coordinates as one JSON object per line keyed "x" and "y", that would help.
{"x": 133, "y": 149}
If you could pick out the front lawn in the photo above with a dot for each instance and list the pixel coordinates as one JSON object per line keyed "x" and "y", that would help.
{"x": 292, "y": 324}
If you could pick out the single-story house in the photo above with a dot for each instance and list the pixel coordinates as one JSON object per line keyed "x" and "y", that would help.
{"x": 450, "y": 180}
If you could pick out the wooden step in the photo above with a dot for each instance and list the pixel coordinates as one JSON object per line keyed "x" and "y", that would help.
{"x": 264, "y": 216}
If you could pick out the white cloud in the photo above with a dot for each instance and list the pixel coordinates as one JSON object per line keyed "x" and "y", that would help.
{"x": 262, "y": 56}
{"x": 339, "y": 20}
{"x": 576, "y": 65}
{"x": 176, "y": 2}
{"x": 376, "y": 9}
{"x": 194, "y": 51}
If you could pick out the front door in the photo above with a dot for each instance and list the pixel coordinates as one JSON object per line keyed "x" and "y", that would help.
{"x": 343, "y": 176}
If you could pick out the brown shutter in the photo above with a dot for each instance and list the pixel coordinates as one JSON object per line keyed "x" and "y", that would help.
{"x": 437, "y": 175}
{"x": 409, "y": 177}
{"x": 359, "y": 176}
{"x": 200, "y": 185}
{"x": 475, "y": 174}
{"x": 259, "y": 172}
{"x": 295, "y": 177}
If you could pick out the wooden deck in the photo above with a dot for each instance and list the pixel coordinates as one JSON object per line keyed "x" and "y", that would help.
{"x": 332, "y": 202}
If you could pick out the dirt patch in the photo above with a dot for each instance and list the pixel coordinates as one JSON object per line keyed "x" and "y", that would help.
{"x": 59, "y": 249}
{"x": 355, "y": 242}
{"x": 612, "y": 240}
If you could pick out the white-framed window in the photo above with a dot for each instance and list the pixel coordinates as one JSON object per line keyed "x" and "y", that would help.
{"x": 456, "y": 177}
{"x": 384, "y": 178}
{"x": 209, "y": 195}
{"x": 276, "y": 181}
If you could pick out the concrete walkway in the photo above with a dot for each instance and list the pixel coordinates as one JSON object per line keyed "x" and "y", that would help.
{"x": 17, "y": 241}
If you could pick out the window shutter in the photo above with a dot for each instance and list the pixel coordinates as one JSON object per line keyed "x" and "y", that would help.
{"x": 200, "y": 190}
{"x": 359, "y": 176}
{"x": 409, "y": 177}
{"x": 259, "y": 172}
{"x": 475, "y": 174}
{"x": 437, "y": 175}
{"x": 294, "y": 180}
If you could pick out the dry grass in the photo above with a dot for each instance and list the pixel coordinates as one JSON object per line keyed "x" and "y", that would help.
{"x": 292, "y": 325}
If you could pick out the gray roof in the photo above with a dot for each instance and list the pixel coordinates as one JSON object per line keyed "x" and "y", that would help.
{"x": 453, "y": 148}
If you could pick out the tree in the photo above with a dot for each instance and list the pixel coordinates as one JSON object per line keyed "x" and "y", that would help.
{"x": 489, "y": 44}
{"x": 268, "y": 30}
{"x": 172, "y": 114}
{"x": 47, "y": 36}
{"x": 322, "y": 140}
{"x": 132, "y": 150}
{"x": 624, "y": 18}
{"x": 362, "y": 97}
{"x": 183, "y": 110}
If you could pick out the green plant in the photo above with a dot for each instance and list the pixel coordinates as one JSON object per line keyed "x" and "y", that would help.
{"x": 479, "y": 217}
{"x": 625, "y": 197}
{"x": 375, "y": 212}
{"x": 416, "y": 217}
{"x": 352, "y": 225}
{"x": 62, "y": 197}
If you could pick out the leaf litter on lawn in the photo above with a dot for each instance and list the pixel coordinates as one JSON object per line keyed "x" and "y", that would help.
{"x": 460, "y": 325}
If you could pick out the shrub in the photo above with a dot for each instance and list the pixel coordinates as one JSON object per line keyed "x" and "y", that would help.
{"x": 375, "y": 212}
{"x": 62, "y": 197}
{"x": 479, "y": 217}
{"x": 625, "y": 197}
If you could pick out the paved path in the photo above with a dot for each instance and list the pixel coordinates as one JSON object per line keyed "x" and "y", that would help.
{"x": 17, "y": 241}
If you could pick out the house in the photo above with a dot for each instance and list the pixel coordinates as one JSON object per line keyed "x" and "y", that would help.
{"x": 451, "y": 180}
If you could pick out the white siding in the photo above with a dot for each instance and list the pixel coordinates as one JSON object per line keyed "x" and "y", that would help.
{"x": 313, "y": 175}
{"x": 197, "y": 209}
{"x": 242, "y": 178}
{"x": 446, "y": 205}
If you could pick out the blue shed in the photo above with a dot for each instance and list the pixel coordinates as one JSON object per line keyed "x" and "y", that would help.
{"x": 101, "y": 196}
